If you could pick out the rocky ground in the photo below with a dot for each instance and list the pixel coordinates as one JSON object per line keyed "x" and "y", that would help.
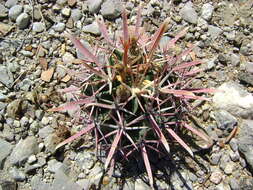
{"x": 33, "y": 58}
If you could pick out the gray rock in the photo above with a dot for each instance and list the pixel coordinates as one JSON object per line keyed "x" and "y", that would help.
{"x": 225, "y": 121}
{"x": 15, "y": 11}
{"x": 3, "y": 11}
{"x": 234, "y": 59}
{"x": 249, "y": 67}
{"x": 45, "y": 131}
{"x": 24, "y": 121}
{"x": 38, "y": 27}
{"x": 211, "y": 64}
{"x": 62, "y": 182}
{"x": 23, "y": 150}
{"x": 246, "y": 78}
{"x": 5, "y": 150}
{"x": 111, "y": 9}
{"x": 214, "y": 31}
{"x": 245, "y": 141}
{"x": 38, "y": 184}
{"x": 94, "y": 5}
{"x": 235, "y": 156}
{"x": 23, "y": 20}
{"x": 207, "y": 11}
{"x": 59, "y": 27}
{"x": 216, "y": 177}
{"x": 234, "y": 99}
{"x": 76, "y": 14}
{"x": 189, "y": 14}
{"x": 25, "y": 84}
{"x": 13, "y": 67}
{"x": 223, "y": 186}
{"x": 6, "y": 76}
{"x": 92, "y": 29}
{"x": 234, "y": 144}
{"x": 234, "y": 185}
{"x": 2, "y": 97}
{"x": 225, "y": 159}
{"x": 215, "y": 158}
{"x": 66, "y": 12}
{"x": 54, "y": 165}
{"x": 17, "y": 175}
{"x": 230, "y": 167}
{"x": 10, "y": 3}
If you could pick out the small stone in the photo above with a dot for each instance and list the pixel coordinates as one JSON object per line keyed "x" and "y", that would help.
{"x": 13, "y": 67}
{"x": 188, "y": 13}
{"x": 92, "y": 29}
{"x": 6, "y": 76}
{"x": 76, "y": 14}
{"x": 66, "y": 12}
{"x": 32, "y": 159}
{"x": 207, "y": 11}
{"x": 230, "y": 35}
{"x": 17, "y": 175}
{"x": 214, "y": 31}
{"x": 59, "y": 27}
{"x": 38, "y": 27}
{"x": 10, "y": 3}
{"x": 3, "y": 11}
{"x": 14, "y": 108}
{"x": 15, "y": 11}
{"x": 249, "y": 67}
{"x": 39, "y": 114}
{"x": 235, "y": 156}
{"x": 111, "y": 9}
{"x": 224, "y": 161}
{"x": 229, "y": 168}
{"x": 23, "y": 150}
{"x": 94, "y": 5}
{"x": 54, "y": 165}
{"x": 246, "y": 78}
{"x": 61, "y": 2}
{"x": 216, "y": 177}
{"x": 222, "y": 58}
{"x": 24, "y": 121}
{"x": 234, "y": 59}
{"x": 71, "y": 3}
{"x": 23, "y": 20}
{"x": 68, "y": 58}
{"x": 5, "y": 150}
{"x": 215, "y": 158}
{"x": 234, "y": 144}
{"x": 234, "y": 185}
{"x": 45, "y": 120}
{"x": 225, "y": 121}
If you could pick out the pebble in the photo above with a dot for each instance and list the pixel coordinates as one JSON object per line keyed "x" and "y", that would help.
{"x": 229, "y": 168}
{"x": 59, "y": 27}
{"x": 249, "y": 67}
{"x": 24, "y": 149}
{"x": 23, "y": 20}
{"x": 76, "y": 14}
{"x": 234, "y": 99}
{"x": 13, "y": 67}
{"x": 188, "y": 13}
{"x": 38, "y": 27}
{"x": 245, "y": 141}
{"x": 234, "y": 144}
{"x": 17, "y": 175}
{"x": 234, "y": 185}
{"x": 216, "y": 177}
{"x": 5, "y": 150}
{"x": 31, "y": 159}
{"x": 45, "y": 120}
{"x": 246, "y": 78}
{"x": 15, "y": 11}
{"x": 207, "y": 11}
{"x": 214, "y": 31}
{"x": 66, "y": 12}
{"x": 225, "y": 121}
{"x": 6, "y": 76}
{"x": 111, "y": 9}
{"x": 215, "y": 158}
{"x": 94, "y": 6}
{"x": 92, "y": 29}
{"x": 54, "y": 165}
{"x": 234, "y": 59}
{"x": 10, "y": 3}
{"x": 3, "y": 11}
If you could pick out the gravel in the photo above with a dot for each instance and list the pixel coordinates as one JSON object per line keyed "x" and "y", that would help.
{"x": 207, "y": 11}
{"x": 38, "y": 27}
{"x": 15, "y": 11}
{"x": 111, "y": 9}
{"x": 94, "y": 5}
{"x": 189, "y": 14}
{"x": 23, "y": 20}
